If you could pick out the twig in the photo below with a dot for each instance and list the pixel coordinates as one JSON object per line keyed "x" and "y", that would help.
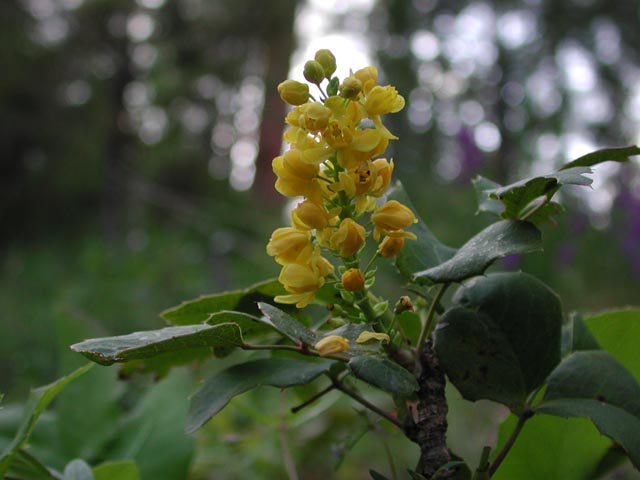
{"x": 364, "y": 402}
{"x": 510, "y": 441}
{"x": 427, "y": 326}
{"x": 319, "y": 395}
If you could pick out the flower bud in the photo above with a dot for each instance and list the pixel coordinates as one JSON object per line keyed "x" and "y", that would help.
{"x": 313, "y": 72}
{"x": 368, "y": 76}
{"x": 309, "y": 215}
{"x": 289, "y": 245}
{"x": 348, "y": 238}
{"x": 353, "y": 280}
{"x": 325, "y": 58}
{"x": 350, "y": 88}
{"x": 331, "y": 344}
{"x": 393, "y": 216}
{"x": 293, "y": 92}
{"x": 390, "y": 246}
{"x": 367, "y": 336}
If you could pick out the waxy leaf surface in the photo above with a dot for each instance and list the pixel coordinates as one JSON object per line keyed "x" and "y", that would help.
{"x": 109, "y": 350}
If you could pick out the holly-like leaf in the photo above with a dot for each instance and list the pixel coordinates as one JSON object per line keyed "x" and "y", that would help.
{"x": 38, "y": 401}
{"x": 199, "y": 310}
{"x": 618, "y": 332}
{"x": 216, "y": 392}
{"x": 425, "y": 252}
{"x": 287, "y": 325}
{"x": 507, "y": 237}
{"x": 592, "y": 384}
{"x": 531, "y": 198}
{"x": 503, "y": 338}
{"x": 385, "y": 374}
{"x": 620, "y": 154}
{"x": 109, "y": 350}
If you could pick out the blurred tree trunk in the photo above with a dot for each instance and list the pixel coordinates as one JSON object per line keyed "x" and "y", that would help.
{"x": 114, "y": 202}
{"x": 277, "y": 36}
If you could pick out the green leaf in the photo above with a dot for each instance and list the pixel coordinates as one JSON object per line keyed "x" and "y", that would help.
{"x": 580, "y": 338}
{"x": 216, "y": 392}
{"x": 123, "y": 470}
{"x": 200, "y": 309}
{"x": 502, "y": 340}
{"x": 482, "y": 187}
{"x": 160, "y": 365}
{"x": 499, "y": 239}
{"x": 425, "y": 252}
{"x": 152, "y": 434}
{"x": 109, "y": 350}
{"x": 287, "y": 325}
{"x": 37, "y": 402}
{"x": 249, "y": 324}
{"x": 410, "y": 324}
{"x": 620, "y": 154}
{"x": 25, "y": 465}
{"x": 550, "y": 448}
{"x": 592, "y": 384}
{"x": 618, "y": 333}
{"x": 384, "y": 374}
{"x": 78, "y": 470}
{"x": 376, "y": 476}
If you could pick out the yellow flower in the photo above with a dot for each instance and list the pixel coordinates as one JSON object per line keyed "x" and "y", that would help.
{"x": 381, "y": 100}
{"x": 332, "y": 344}
{"x": 309, "y": 215}
{"x": 289, "y": 245}
{"x": 390, "y": 246}
{"x": 366, "y": 144}
{"x": 295, "y": 177}
{"x": 369, "y": 78}
{"x": 350, "y": 88}
{"x": 348, "y": 239}
{"x": 294, "y": 93}
{"x": 303, "y": 281}
{"x": 390, "y": 217}
{"x": 367, "y": 336}
{"x": 381, "y": 172}
{"x": 315, "y": 116}
{"x": 353, "y": 280}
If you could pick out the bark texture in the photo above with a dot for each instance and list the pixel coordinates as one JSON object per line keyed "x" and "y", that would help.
{"x": 427, "y": 426}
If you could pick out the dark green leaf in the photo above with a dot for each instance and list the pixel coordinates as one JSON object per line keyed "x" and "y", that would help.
{"x": 483, "y": 186}
{"x": 109, "y": 350}
{"x": 384, "y": 374}
{"x": 507, "y": 237}
{"x": 78, "y": 470}
{"x": 581, "y": 337}
{"x": 216, "y": 392}
{"x": 200, "y": 309}
{"x": 123, "y": 470}
{"x": 594, "y": 385}
{"x": 249, "y": 324}
{"x": 287, "y": 325}
{"x": 377, "y": 476}
{"x": 503, "y": 340}
{"x": 620, "y": 154}
{"x": 38, "y": 401}
{"x": 425, "y": 252}
{"x": 550, "y": 448}
{"x": 160, "y": 365}
{"x": 410, "y": 324}
{"x": 618, "y": 333}
{"x": 25, "y": 465}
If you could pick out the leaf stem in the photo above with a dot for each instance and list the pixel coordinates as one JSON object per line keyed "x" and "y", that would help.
{"x": 428, "y": 325}
{"x": 364, "y": 402}
{"x": 527, "y": 414}
{"x": 304, "y": 350}
{"x": 318, "y": 395}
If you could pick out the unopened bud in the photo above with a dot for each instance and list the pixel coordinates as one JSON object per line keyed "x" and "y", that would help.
{"x": 313, "y": 72}
{"x": 391, "y": 246}
{"x": 350, "y": 88}
{"x": 404, "y": 305}
{"x": 328, "y": 61}
{"x": 293, "y": 92}
{"x": 353, "y": 280}
{"x": 331, "y": 344}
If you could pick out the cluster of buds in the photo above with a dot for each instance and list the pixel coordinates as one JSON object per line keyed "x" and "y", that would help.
{"x": 332, "y": 163}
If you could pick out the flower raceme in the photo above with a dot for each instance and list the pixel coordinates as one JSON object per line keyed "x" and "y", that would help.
{"x": 335, "y": 137}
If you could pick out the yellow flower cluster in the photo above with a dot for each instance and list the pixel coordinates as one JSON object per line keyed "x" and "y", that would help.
{"x": 332, "y": 163}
